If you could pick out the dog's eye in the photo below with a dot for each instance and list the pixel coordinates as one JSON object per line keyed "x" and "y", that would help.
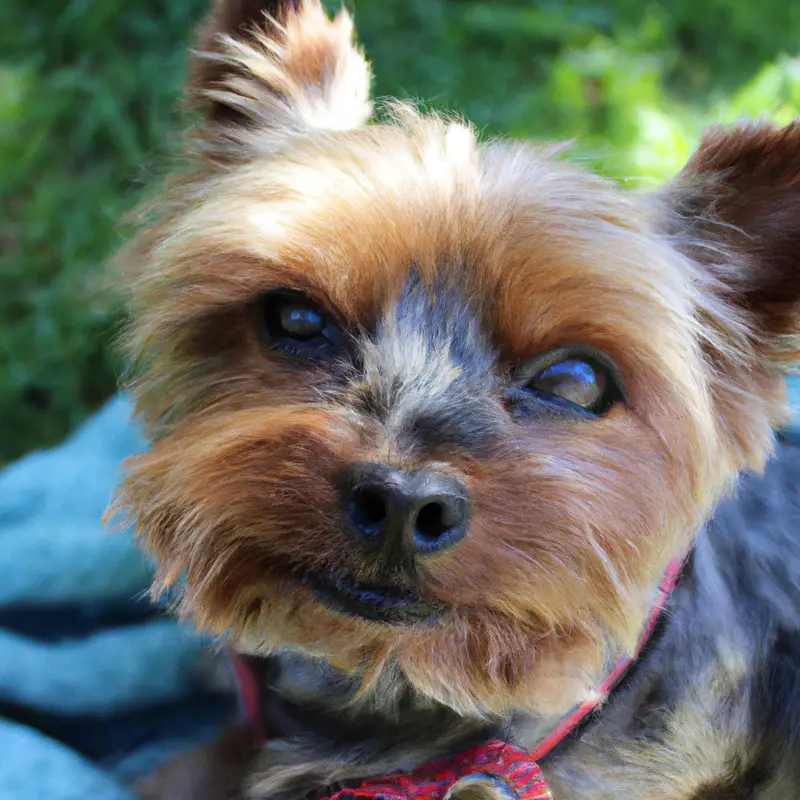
{"x": 576, "y": 381}
{"x": 299, "y": 322}
{"x": 292, "y": 322}
{"x": 569, "y": 380}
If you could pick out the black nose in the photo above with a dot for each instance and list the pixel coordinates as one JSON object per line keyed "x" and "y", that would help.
{"x": 424, "y": 510}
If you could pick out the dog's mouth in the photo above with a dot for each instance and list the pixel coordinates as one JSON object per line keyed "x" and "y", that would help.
{"x": 385, "y": 604}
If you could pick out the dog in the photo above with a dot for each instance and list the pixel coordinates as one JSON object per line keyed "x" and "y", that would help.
{"x": 432, "y": 419}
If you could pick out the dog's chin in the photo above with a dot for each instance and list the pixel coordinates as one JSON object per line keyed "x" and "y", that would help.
{"x": 385, "y": 605}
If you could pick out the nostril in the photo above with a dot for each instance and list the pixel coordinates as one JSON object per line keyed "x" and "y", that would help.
{"x": 368, "y": 511}
{"x": 431, "y": 522}
{"x": 439, "y": 521}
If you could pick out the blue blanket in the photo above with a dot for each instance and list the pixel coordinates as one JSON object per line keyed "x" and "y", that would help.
{"x": 96, "y": 685}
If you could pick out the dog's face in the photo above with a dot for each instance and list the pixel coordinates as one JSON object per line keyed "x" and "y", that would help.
{"x": 430, "y": 407}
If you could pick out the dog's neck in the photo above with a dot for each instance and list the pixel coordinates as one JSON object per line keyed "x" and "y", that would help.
{"x": 305, "y": 697}
{"x": 299, "y": 695}
{"x": 319, "y": 731}
{"x": 318, "y": 734}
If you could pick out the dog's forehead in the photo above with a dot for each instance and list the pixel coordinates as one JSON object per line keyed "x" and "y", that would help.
{"x": 546, "y": 252}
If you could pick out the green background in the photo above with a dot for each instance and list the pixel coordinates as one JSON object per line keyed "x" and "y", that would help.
{"x": 87, "y": 89}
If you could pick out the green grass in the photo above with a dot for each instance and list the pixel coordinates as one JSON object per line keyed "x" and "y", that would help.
{"x": 87, "y": 89}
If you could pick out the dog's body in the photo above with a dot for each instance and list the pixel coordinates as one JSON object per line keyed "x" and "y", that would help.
{"x": 709, "y": 712}
{"x": 430, "y": 419}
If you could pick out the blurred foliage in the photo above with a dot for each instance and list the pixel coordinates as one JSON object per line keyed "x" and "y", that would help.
{"x": 87, "y": 89}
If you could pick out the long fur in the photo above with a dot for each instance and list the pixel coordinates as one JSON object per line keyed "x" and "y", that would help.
{"x": 450, "y": 263}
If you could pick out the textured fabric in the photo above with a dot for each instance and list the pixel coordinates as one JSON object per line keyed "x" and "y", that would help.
{"x": 52, "y": 545}
{"x": 792, "y": 433}
{"x": 33, "y": 767}
{"x": 496, "y": 761}
{"x": 96, "y": 685}
{"x": 109, "y": 671}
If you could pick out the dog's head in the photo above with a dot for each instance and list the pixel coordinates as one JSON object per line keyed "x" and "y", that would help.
{"x": 433, "y": 408}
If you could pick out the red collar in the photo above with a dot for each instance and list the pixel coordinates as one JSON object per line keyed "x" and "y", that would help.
{"x": 519, "y": 771}
{"x": 495, "y": 762}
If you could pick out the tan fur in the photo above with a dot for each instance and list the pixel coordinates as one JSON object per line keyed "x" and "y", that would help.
{"x": 284, "y": 75}
{"x": 293, "y": 190}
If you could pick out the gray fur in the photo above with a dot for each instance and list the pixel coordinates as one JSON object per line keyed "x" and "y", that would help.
{"x": 428, "y": 372}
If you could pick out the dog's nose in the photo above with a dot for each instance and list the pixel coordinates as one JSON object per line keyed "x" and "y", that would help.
{"x": 424, "y": 510}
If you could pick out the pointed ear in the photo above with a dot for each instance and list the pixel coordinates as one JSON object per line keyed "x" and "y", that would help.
{"x": 735, "y": 209}
{"x": 263, "y": 70}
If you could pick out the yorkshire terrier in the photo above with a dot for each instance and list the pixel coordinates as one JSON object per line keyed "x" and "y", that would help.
{"x": 432, "y": 418}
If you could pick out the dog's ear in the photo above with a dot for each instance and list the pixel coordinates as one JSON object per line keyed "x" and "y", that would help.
{"x": 265, "y": 70}
{"x": 735, "y": 209}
